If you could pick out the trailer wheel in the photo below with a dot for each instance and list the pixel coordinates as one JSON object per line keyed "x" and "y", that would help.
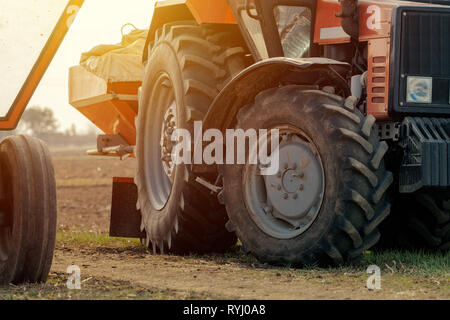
{"x": 326, "y": 201}
{"x": 27, "y": 210}
{"x": 187, "y": 67}
{"x": 418, "y": 221}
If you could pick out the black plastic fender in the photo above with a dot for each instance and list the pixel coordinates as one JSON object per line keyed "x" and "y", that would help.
{"x": 270, "y": 73}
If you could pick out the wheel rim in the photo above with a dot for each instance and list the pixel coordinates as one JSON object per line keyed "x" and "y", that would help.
{"x": 162, "y": 122}
{"x": 286, "y": 204}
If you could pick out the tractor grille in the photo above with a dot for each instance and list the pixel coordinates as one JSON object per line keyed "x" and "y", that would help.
{"x": 425, "y": 44}
{"x": 424, "y": 50}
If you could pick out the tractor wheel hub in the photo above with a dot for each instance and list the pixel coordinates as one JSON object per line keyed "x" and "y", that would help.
{"x": 291, "y": 198}
{"x": 168, "y": 128}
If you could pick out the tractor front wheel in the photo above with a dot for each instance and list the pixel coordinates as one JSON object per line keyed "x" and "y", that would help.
{"x": 27, "y": 210}
{"x": 326, "y": 201}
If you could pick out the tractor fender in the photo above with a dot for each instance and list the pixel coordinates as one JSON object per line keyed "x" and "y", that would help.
{"x": 271, "y": 73}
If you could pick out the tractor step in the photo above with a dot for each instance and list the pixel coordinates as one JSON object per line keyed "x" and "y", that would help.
{"x": 125, "y": 218}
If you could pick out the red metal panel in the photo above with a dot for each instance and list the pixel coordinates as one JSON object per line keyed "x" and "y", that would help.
{"x": 375, "y": 24}
{"x": 374, "y": 20}
{"x": 378, "y": 78}
{"x": 326, "y": 20}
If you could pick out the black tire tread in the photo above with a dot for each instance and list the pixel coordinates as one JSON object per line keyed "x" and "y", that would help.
{"x": 30, "y": 159}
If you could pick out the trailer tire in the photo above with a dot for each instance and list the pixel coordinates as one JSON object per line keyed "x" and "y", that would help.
{"x": 187, "y": 67}
{"x": 353, "y": 175}
{"x": 28, "y": 204}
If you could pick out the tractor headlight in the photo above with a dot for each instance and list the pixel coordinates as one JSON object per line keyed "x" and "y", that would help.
{"x": 419, "y": 90}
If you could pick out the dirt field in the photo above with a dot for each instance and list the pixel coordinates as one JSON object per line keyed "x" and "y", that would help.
{"x": 122, "y": 269}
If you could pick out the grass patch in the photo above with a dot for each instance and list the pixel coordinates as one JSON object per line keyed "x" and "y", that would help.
{"x": 410, "y": 262}
{"x": 94, "y": 239}
{"x": 406, "y": 263}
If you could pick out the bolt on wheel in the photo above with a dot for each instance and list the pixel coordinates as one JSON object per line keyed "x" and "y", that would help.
{"x": 286, "y": 204}
{"x": 168, "y": 128}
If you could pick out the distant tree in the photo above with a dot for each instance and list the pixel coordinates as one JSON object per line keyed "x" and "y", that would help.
{"x": 72, "y": 131}
{"x": 38, "y": 121}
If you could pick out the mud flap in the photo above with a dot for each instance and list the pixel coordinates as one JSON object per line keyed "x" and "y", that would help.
{"x": 125, "y": 218}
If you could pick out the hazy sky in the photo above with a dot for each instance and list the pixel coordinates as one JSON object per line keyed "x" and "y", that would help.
{"x": 98, "y": 22}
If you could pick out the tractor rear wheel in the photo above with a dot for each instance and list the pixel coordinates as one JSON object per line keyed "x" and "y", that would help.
{"x": 188, "y": 65}
{"x": 326, "y": 201}
{"x": 27, "y": 210}
{"x": 418, "y": 221}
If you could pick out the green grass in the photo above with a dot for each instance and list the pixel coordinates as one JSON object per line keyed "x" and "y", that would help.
{"x": 406, "y": 263}
{"x": 94, "y": 239}
{"x": 410, "y": 262}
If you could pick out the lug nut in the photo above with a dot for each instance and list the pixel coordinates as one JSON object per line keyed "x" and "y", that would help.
{"x": 279, "y": 187}
{"x": 285, "y": 196}
{"x": 295, "y": 196}
{"x": 301, "y": 187}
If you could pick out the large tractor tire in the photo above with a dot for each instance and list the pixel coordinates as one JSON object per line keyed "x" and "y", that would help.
{"x": 418, "y": 221}
{"x": 27, "y": 210}
{"x": 188, "y": 65}
{"x": 328, "y": 198}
